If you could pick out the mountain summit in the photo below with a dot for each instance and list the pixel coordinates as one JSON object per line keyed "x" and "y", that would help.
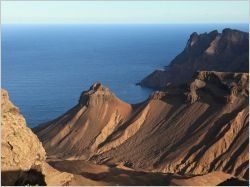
{"x": 96, "y": 115}
{"x": 214, "y": 51}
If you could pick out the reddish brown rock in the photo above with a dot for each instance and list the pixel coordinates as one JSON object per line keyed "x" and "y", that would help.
{"x": 186, "y": 130}
{"x": 226, "y": 52}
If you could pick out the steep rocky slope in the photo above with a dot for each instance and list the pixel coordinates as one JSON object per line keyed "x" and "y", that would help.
{"x": 97, "y": 115}
{"x": 22, "y": 154}
{"x": 186, "y": 130}
{"x": 227, "y": 51}
{"x": 23, "y": 162}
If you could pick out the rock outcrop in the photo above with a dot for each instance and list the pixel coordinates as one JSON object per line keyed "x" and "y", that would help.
{"x": 22, "y": 155}
{"x": 186, "y": 130}
{"x": 226, "y": 52}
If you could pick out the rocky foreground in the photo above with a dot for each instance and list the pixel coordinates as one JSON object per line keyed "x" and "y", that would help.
{"x": 190, "y": 130}
{"x": 22, "y": 154}
{"x": 225, "y": 52}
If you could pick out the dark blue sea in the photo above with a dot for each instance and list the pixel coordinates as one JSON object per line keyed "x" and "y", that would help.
{"x": 46, "y": 67}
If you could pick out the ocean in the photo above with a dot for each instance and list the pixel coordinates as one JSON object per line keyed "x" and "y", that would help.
{"x": 46, "y": 67}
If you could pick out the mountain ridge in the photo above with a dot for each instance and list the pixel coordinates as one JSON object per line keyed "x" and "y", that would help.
{"x": 214, "y": 106}
{"x": 213, "y": 51}
{"x": 23, "y": 161}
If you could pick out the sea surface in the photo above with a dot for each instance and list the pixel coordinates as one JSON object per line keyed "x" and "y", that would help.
{"x": 46, "y": 67}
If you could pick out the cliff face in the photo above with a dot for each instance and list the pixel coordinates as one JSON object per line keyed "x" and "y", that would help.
{"x": 227, "y": 51}
{"x": 22, "y": 154}
{"x": 21, "y": 149}
{"x": 189, "y": 130}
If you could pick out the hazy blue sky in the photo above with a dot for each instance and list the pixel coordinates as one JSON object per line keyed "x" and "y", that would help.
{"x": 125, "y": 12}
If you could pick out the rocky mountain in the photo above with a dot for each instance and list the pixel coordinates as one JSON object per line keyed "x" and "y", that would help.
{"x": 186, "y": 130}
{"x": 98, "y": 110}
{"x": 22, "y": 154}
{"x": 225, "y": 52}
{"x": 23, "y": 160}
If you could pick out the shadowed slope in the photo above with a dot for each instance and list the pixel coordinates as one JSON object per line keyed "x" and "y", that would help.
{"x": 227, "y": 51}
{"x": 121, "y": 175}
{"x": 97, "y": 115}
{"x": 194, "y": 129}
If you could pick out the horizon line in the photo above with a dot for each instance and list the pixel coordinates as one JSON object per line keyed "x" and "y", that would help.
{"x": 118, "y": 23}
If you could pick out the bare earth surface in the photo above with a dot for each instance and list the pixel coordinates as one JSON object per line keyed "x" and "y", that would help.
{"x": 185, "y": 130}
{"x": 87, "y": 173}
{"x": 23, "y": 162}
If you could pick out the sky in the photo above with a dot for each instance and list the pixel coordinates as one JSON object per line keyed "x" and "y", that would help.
{"x": 127, "y": 12}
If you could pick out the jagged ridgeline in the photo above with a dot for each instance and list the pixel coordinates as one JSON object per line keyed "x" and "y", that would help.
{"x": 225, "y": 52}
{"x": 189, "y": 130}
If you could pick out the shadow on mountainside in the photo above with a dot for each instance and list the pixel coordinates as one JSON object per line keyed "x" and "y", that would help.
{"x": 113, "y": 175}
{"x": 22, "y": 178}
{"x": 234, "y": 182}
